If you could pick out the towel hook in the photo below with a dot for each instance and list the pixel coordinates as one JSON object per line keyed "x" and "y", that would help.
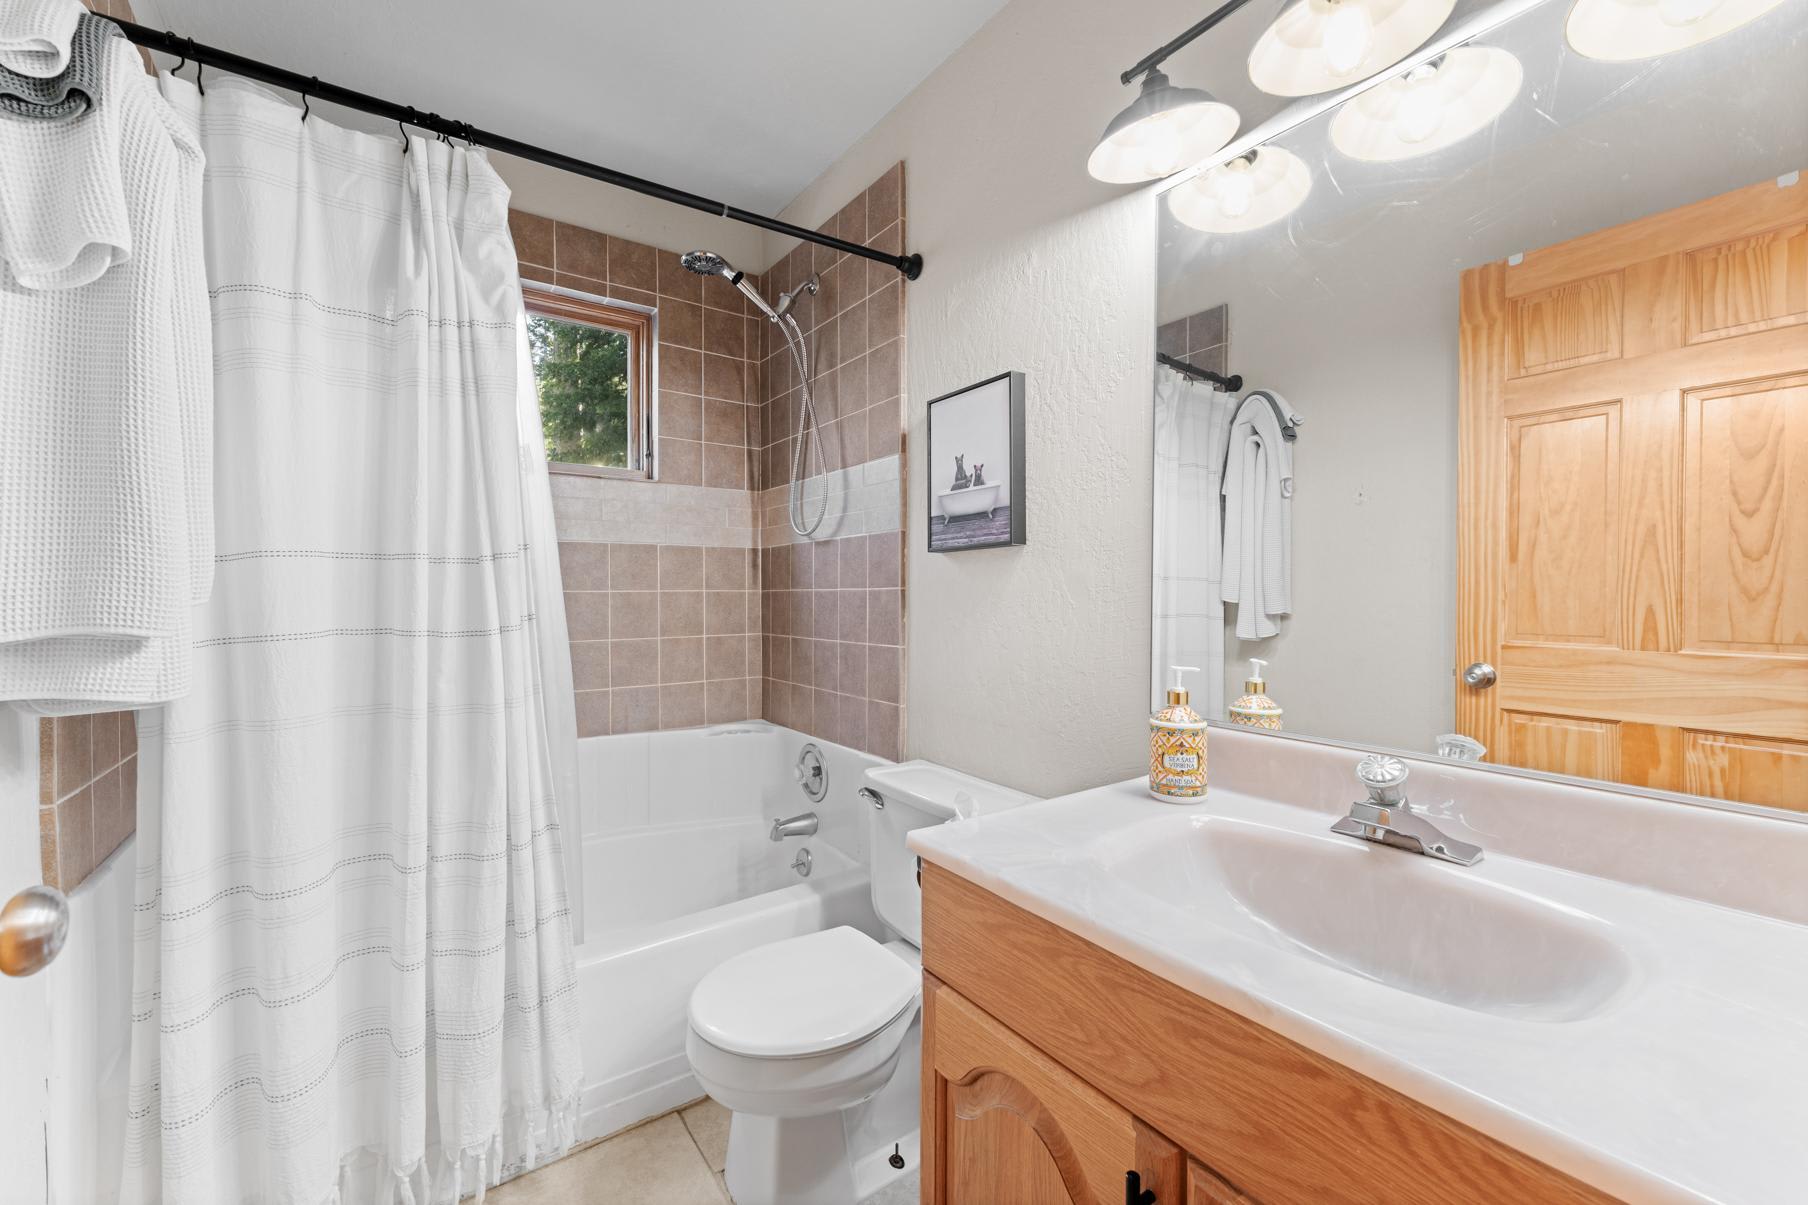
{"x": 182, "y": 61}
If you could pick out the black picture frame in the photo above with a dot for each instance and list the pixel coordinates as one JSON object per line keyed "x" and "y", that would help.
{"x": 985, "y": 418}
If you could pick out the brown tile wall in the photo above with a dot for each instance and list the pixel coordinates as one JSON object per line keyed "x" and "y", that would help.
{"x": 834, "y": 648}
{"x": 855, "y": 328}
{"x": 87, "y": 792}
{"x": 87, "y": 765}
{"x": 1202, "y": 339}
{"x": 662, "y": 635}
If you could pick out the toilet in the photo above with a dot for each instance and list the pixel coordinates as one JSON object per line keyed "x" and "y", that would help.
{"x": 814, "y": 1042}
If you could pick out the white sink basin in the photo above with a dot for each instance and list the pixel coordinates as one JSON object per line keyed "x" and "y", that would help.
{"x": 1401, "y": 919}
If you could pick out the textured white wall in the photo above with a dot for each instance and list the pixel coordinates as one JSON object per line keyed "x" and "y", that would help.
{"x": 1028, "y": 666}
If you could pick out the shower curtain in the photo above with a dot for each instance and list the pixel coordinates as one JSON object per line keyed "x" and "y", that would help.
{"x": 353, "y": 973}
{"x": 1192, "y": 428}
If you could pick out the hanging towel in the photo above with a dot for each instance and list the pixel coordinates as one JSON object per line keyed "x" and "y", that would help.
{"x": 69, "y": 95}
{"x": 1192, "y": 425}
{"x": 106, "y": 494}
{"x": 1258, "y": 518}
{"x": 35, "y": 35}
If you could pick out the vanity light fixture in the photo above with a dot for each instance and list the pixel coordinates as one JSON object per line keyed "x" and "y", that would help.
{"x": 1429, "y": 107}
{"x": 1620, "y": 31}
{"x": 1250, "y": 191}
{"x": 1317, "y": 45}
{"x": 1163, "y": 130}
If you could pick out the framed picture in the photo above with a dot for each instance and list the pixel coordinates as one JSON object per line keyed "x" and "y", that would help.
{"x": 976, "y": 466}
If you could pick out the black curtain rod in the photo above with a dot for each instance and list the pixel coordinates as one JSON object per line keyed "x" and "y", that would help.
{"x": 1155, "y": 58}
{"x": 312, "y": 88}
{"x": 1231, "y": 384}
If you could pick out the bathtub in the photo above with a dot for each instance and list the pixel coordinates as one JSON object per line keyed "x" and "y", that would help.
{"x": 958, "y": 504}
{"x": 679, "y": 875}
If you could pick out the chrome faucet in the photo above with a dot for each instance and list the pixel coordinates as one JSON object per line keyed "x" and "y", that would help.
{"x": 1387, "y": 819}
{"x": 801, "y": 825}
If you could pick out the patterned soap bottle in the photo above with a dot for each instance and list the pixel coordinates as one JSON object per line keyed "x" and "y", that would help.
{"x": 1177, "y": 746}
{"x": 1255, "y": 709}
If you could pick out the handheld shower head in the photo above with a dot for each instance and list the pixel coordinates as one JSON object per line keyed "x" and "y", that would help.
{"x": 708, "y": 263}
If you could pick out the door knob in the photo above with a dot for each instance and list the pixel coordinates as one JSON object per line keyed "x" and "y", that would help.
{"x": 32, "y": 928}
{"x": 1134, "y": 1192}
{"x": 1480, "y": 675}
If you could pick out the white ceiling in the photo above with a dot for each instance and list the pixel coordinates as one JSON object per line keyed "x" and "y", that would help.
{"x": 743, "y": 102}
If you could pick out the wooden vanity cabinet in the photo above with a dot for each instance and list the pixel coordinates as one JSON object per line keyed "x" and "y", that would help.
{"x": 1053, "y": 1068}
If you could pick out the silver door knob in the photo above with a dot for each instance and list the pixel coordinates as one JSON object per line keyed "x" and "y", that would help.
{"x": 33, "y": 926}
{"x": 1480, "y": 675}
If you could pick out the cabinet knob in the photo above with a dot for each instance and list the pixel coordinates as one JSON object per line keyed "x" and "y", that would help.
{"x": 1134, "y": 1192}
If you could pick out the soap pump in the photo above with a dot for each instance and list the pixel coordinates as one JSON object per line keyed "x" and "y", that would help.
{"x": 1177, "y": 746}
{"x": 1255, "y": 709}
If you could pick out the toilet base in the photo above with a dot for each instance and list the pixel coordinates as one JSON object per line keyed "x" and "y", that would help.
{"x": 831, "y": 1158}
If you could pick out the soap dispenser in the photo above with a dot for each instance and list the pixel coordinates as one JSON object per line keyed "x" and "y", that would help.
{"x": 1255, "y": 709}
{"x": 1177, "y": 746}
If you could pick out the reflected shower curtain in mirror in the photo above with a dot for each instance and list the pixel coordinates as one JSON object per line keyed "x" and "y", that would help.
{"x": 1192, "y": 427}
{"x": 353, "y": 973}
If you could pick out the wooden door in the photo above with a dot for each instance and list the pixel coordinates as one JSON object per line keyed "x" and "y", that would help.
{"x": 1004, "y": 1124}
{"x": 1632, "y": 552}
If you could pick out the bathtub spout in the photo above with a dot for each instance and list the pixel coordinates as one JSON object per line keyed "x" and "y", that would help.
{"x": 801, "y": 825}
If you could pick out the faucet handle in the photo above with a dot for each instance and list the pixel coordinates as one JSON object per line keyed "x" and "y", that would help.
{"x": 1384, "y": 777}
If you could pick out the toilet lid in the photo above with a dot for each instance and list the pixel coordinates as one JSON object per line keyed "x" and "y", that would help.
{"x": 803, "y": 995}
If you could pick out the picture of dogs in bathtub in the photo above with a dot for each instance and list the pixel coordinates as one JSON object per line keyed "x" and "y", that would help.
{"x": 976, "y": 466}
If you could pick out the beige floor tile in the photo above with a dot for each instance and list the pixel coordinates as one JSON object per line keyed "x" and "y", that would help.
{"x": 708, "y": 1123}
{"x": 656, "y": 1163}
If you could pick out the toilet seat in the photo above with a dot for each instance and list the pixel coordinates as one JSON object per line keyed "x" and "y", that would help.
{"x": 803, "y": 996}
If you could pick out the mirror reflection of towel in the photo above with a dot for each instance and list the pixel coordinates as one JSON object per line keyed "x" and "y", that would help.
{"x": 1258, "y": 519}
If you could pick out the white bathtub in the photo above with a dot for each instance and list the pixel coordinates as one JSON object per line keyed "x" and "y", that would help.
{"x": 679, "y": 875}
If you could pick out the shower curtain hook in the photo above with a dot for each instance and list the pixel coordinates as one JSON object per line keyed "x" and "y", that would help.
{"x": 199, "y": 68}
{"x": 313, "y": 82}
{"x": 183, "y": 60}
{"x": 404, "y": 129}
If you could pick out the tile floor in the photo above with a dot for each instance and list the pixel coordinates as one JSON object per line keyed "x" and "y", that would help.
{"x": 676, "y": 1159}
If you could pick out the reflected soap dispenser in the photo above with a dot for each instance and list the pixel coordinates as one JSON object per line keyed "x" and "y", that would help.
{"x": 1255, "y": 709}
{"x": 1177, "y": 746}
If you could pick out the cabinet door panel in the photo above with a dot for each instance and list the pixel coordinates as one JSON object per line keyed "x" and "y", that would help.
{"x": 1016, "y": 1126}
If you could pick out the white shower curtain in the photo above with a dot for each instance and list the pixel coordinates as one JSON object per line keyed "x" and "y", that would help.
{"x": 1192, "y": 426}
{"x": 353, "y": 973}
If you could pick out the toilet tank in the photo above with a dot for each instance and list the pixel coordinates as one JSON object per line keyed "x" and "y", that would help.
{"x": 912, "y": 795}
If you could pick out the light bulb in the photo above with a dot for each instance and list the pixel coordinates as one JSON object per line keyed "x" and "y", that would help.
{"x": 1348, "y": 37}
{"x": 1421, "y": 109}
{"x": 1235, "y": 189}
{"x": 1685, "y": 12}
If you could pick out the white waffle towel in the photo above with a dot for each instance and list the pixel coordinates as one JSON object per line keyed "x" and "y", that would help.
{"x": 1258, "y": 519}
{"x": 34, "y": 35}
{"x": 106, "y": 400}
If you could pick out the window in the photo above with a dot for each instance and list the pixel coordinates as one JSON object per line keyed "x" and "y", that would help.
{"x": 593, "y": 365}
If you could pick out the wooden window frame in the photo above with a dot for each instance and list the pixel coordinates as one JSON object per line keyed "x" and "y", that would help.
{"x": 640, "y": 324}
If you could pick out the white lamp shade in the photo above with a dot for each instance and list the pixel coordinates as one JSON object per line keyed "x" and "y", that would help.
{"x": 1619, "y": 31}
{"x": 1428, "y": 108}
{"x": 1317, "y": 45}
{"x": 1162, "y": 131}
{"x": 1243, "y": 195}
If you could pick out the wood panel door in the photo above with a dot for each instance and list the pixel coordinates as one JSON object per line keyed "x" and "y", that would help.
{"x": 1005, "y": 1124}
{"x": 1632, "y": 552}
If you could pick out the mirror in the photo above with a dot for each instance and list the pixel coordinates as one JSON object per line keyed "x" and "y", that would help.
{"x": 1546, "y": 502}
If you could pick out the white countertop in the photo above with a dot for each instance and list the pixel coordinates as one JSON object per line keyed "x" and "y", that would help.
{"x": 1690, "y": 1084}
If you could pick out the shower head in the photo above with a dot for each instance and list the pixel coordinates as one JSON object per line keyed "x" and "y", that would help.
{"x": 708, "y": 263}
